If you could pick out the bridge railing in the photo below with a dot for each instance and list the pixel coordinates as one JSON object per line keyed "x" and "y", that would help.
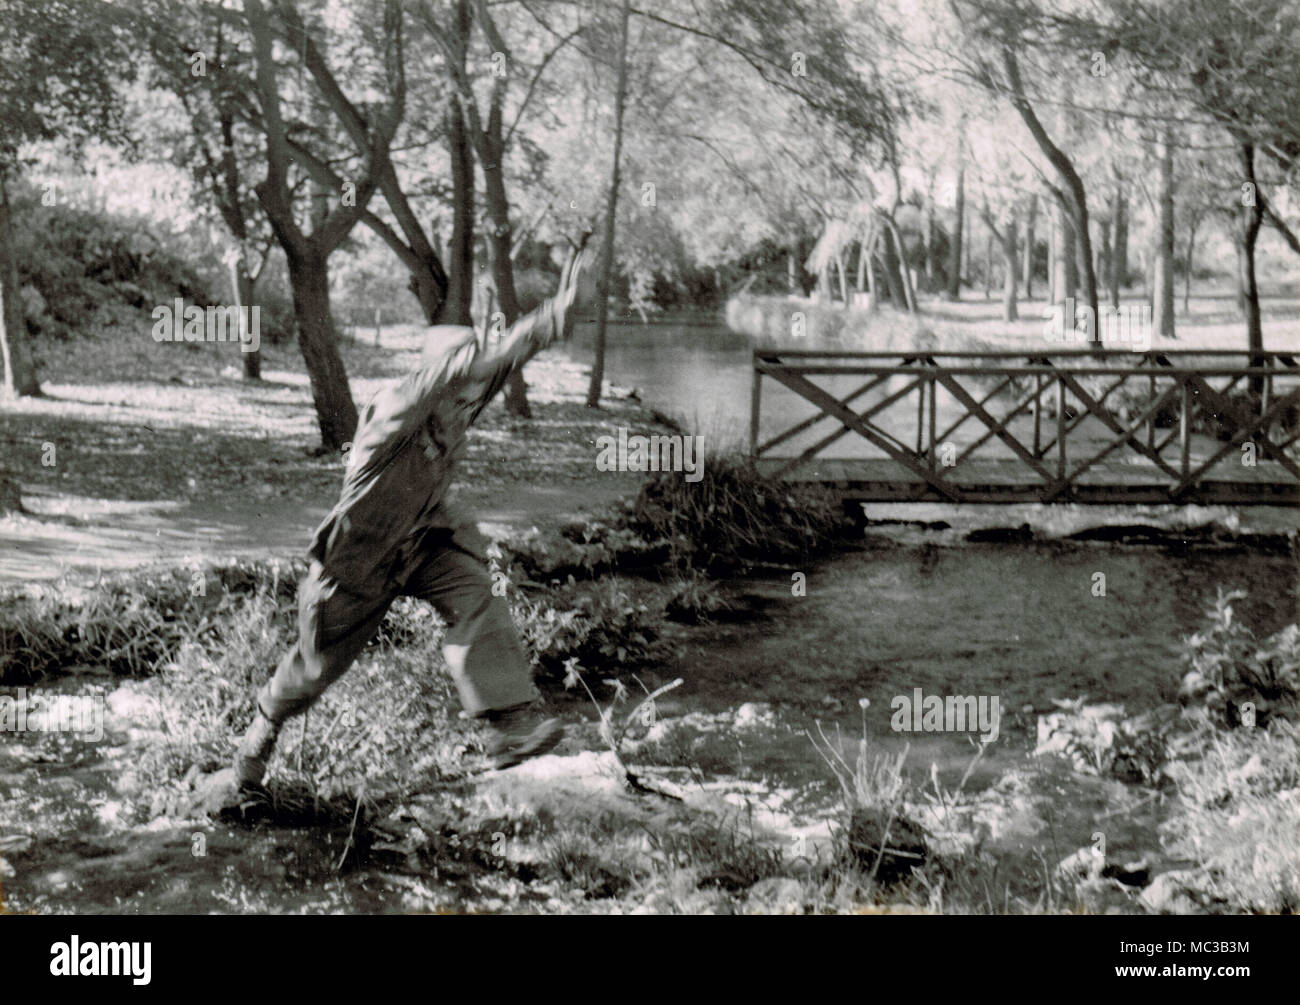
{"x": 1171, "y": 417}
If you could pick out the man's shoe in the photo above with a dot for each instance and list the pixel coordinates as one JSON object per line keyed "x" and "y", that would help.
{"x": 255, "y": 750}
{"x": 518, "y": 733}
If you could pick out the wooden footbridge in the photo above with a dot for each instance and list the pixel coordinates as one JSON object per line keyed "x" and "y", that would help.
{"x": 1084, "y": 426}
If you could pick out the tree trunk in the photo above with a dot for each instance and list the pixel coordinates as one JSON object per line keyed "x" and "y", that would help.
{"x": 241, "y": 284}
{"x": 1027, "y": 273}
{"x": 893, "y": 273}
{"x": 1074, "y": 193}
{"x": 954, "y": 253}
{"x": 1251, "y": 217}
{"x": 988, "y": 264}
{"x": 904, "y": 270}
{"x": 1085, "y": 274}
{"x": 1240, "y": 275}
{"x": 611, "y": 208}
{"x": 335, "y": 412}
{"x": 1162, "y": 307}
{"x": 1065, "y": 280}
{"x": 1106, "y": 252}
{"x": 460, "y": 264}
{"x": 1119, "y": 248}
{"x": 17, "y": 368}
{"x": 1009, "y": 263}
{"x": 1117, "y": 262}
{"x": 868, "y": 253}
{"x": 500, "y": 243}
{"x": 1191, "y": 256}
{"x": 929, "y": 237}
{"x": 1053, "y": 286}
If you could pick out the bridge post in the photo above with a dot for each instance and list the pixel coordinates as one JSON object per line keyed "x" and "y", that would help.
{"x": 934, "y": 407}
{"x": 1185, "y": 430}
{"x": 1060, "y": 427}
{"x": 1151, "y": 420}
{"x": 920, "y": 416}
{"x": 753, "y": 411}
{"x": 1038, "y": 415}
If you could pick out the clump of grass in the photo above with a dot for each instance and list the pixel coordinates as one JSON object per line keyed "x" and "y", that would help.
{"x": 387, "y": 726}
{"x": 694, "y": 599}
{"x": 876, "y": 836}
{"x": 577, "y": 862}
{"x": 604, "y": 624}
{"x": 583, "y": 550}
{"x": 133, "y": 623}
{"x": 1239, "y": 804}
{"x": 734, "y": 517}
{"x": 723, "y": 855}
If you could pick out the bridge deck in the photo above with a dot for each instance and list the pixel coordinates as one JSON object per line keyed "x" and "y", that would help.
{"x": 1007, "y": 481}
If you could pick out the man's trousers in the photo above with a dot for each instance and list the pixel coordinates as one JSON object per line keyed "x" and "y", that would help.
{"x": 481, "y": 647}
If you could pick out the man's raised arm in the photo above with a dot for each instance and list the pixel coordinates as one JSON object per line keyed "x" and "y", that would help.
{"x": 549, "y": 323}
{"x": 399, "y": 410}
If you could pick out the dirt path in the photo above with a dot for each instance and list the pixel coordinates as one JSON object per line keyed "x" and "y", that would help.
{"x": 119, "y": 470}
{"x": 76, "y": 536}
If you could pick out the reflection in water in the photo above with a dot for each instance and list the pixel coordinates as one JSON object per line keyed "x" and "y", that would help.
{"x": 697, "y": 373}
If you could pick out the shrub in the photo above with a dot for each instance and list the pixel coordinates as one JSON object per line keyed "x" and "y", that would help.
{"x": 1230, "y": 670}
{"x": 601, "y": 625}
{"x": 78, "y": 261}
{"x": 734, "y": 517}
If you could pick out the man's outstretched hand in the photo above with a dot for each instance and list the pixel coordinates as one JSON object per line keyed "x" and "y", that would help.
{"x": 577, "y": 287}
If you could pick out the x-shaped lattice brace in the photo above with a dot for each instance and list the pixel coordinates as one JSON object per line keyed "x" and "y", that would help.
{"x": 855, "y": 423}
{"x": 1243, "y": 433}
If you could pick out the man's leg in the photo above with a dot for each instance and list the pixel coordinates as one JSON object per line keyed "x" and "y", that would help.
{"x": 334, "y": 625}
{"x": 482, "y": 649}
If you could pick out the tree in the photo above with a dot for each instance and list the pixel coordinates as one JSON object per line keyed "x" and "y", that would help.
{"x": 307, "y": 252}
{"x": 490, "y": 139}
{"x": 1162, "y": 294}
{"x": 1229, "y": 66}
{"x": 1071, "y": 195}
{"x": 214, "y": 142}
{"x": 611, "y": 209}
{"x": 59, "y": 66}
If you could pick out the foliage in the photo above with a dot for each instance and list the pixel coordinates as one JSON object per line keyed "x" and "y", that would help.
{"x": 133, "y": 623}
{"x": 734, "y": 517}
{"x": 1230, "y": 669}
{"x": 1237, "y": 817}
{"x": 79, "y": 261}
{"x": 600, "y": 624}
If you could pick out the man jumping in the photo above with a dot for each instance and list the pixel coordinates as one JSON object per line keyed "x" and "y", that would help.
{"x": 392, "y": 534}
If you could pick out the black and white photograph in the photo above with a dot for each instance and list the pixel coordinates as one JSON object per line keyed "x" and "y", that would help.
{"x": 702, "y": 457}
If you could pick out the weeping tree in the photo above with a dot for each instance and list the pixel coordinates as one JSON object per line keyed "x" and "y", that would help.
{"x": 876, "y": 236}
